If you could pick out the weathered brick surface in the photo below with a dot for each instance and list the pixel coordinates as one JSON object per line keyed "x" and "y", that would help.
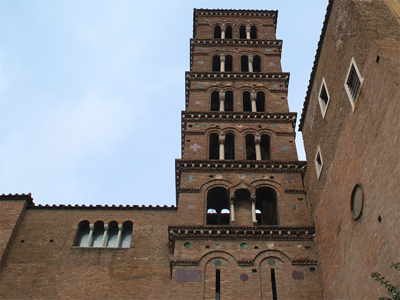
{"x": 167, "y": 262}
{"x": 358, "y": 147}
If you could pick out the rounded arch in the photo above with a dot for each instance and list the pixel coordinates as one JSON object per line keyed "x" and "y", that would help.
{"x": 267, "y": 205}
{"x": 217, "y": 31}
{"x": 82, "y": 234}
{"x": 229, "y": 95}
{"x": 212, "y": 183}
{"x": 213, "y": 145}
{"x": 253, "y": 32}
{"x": 216, "y": 63}
{"x": 229, "y": 145}
{"x": 228, "y": 31}
{"x": 246, "y": 96}
{"x": 217, "y": 200}
{"x": 214, "y": 100}
{"x": 272, "y": 254}
{"x": 112, "y": 234}
{"x": 228, "y": 63}
{"x": 98, "y": 234}
{"x": 244, "y": 63}
{"x": 256, "y": 63}
{"x": 242, "y": 32}
{"x": 126, "y": 235}
{"x": 206, "y": 258}
{"x": 250, "y": 146}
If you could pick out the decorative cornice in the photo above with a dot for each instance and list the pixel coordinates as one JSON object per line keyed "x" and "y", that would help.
{"x": 294, "y": 233}
{"x": 184, "y": 190}
{"x": 243, "y": 76}
{"x": 186, "y": 132}
{"x": 235, "y": 116}
{"x": 298, "y": 191}
{"x": 281, "y": 133}
{"x": 304, "y": 261}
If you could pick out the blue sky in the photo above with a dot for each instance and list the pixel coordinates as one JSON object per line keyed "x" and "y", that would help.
{"x": 91, "y": 93}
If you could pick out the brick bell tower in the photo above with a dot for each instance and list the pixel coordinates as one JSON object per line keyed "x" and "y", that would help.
{"x": 244, "y": 229}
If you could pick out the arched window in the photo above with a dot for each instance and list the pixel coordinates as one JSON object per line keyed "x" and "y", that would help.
{"x": 112, "y": 234}
{"x": 216, "y": 63}
{"x": 256, "y": 63}
{"x": 242, "y": 30}
{"x": 217, "y": 32}
{"x": 250, "y": 147}
{"x": 218, "y": 206}
{"x": 229, "y": 101}
{"x": 253, "y": 32}
{"x": 246, "y": 101}
{"x": 215, "y": 101}
{"x": 260, "y": 102}
{"x": 83, "y": 234}
{"x": 265, "y": 146}
{"x": 214, "y": 146}
{"x": 266, "y": 202}
{"x": 229, "y": 146}
{"x": 126, "y": 235}
{"x": 228, "y": 33}
{"x": 245, "y": 63}
{"x": 98, "y": 233}
{"x": 228, "y": 63}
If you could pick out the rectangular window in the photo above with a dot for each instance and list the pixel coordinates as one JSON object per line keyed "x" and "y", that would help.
{"x": 318, "y": 162}
{"x": 353, "y": 83}
{"x": 273, "y": 283}
{"x": 323, "y": 98}
{"x": 217, "y": 284}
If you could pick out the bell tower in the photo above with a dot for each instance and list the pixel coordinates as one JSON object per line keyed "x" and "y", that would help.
{"x": 240, "y": 195}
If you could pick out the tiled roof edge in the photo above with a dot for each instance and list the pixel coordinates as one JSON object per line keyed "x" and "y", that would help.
{"x": 315, "y": 65}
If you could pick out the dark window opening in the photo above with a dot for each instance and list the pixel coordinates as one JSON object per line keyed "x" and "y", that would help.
{"x": 229, "y": 146}
{"x": 250, "y": 147}
{"x": 353, "y": 83}
{"x": 214, "y": 146}
{"x": 215, "y": 101}
{"x": 256, "y": 63}
{"x": 228, "y": 63}
{"x": 266, "y": 200}
{"x": 228, "y": 32}
{"x": 217, "y": 284}
{"x": 253, "y": 32}
{"x": 260, "y": 102}
{"x": 324, "y": 96}
{"x": 273, "y": 283}
{"x": 244, "y": 63}
{"x": 218, "y": 206}
{"x": 378, "y": 59}
{"x": 242, "y": 30}
{"x": 265, "y": 147}
{"x": 216, "y": 63}
{"x": 246, "y": 101}
{"x": 217, "y": 32}
{"x": 229, "y": 101}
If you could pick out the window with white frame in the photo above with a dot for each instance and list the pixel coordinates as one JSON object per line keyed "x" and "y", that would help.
{"x": 323, "y": 98}
{"x": 318, "y": 162}
{"x": 353, "y": 83}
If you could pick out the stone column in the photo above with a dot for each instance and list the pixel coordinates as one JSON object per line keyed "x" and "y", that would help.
{"x": 250, "y": 64}
{"x": 104, "y": 241}
{"x": 247, "y": 32}
{"x": 119, "y": 235}
{"x": 91, "y": 227}
{"x": 222, "y": 59}
{"x": 232, "y": 208}
{"x": 257, "y": 141}
{"x": 221, "y": 101}
{"x": 223, "y": 29}
{"x": 221, "y": 147}
{"x": 253, "y": 98}
{"x": 253, "y": 209}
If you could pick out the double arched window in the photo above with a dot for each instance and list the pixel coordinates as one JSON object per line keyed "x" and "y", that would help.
{"x": 258, "y": 147}
{"x": 250, "y": 64}
{"x": 218, "y": 206}
{"x": 222, "y": 146}
{"x": 254, "y": 102}
{"x": 104, "y": 235}
{"x": 222, "y": 63}
{"x": 224, "y": 32}
{"x": 248, "y": 32}
{"x": 222, "y": 101}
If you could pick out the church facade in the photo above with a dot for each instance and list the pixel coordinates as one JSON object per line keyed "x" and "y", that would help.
{"x": 251, "y": 220}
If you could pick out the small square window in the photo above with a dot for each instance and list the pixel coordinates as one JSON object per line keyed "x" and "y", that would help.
{"x": 323, "y": 98}
{"x": 353, "y": 83}
{"x": 318, "y": 162}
